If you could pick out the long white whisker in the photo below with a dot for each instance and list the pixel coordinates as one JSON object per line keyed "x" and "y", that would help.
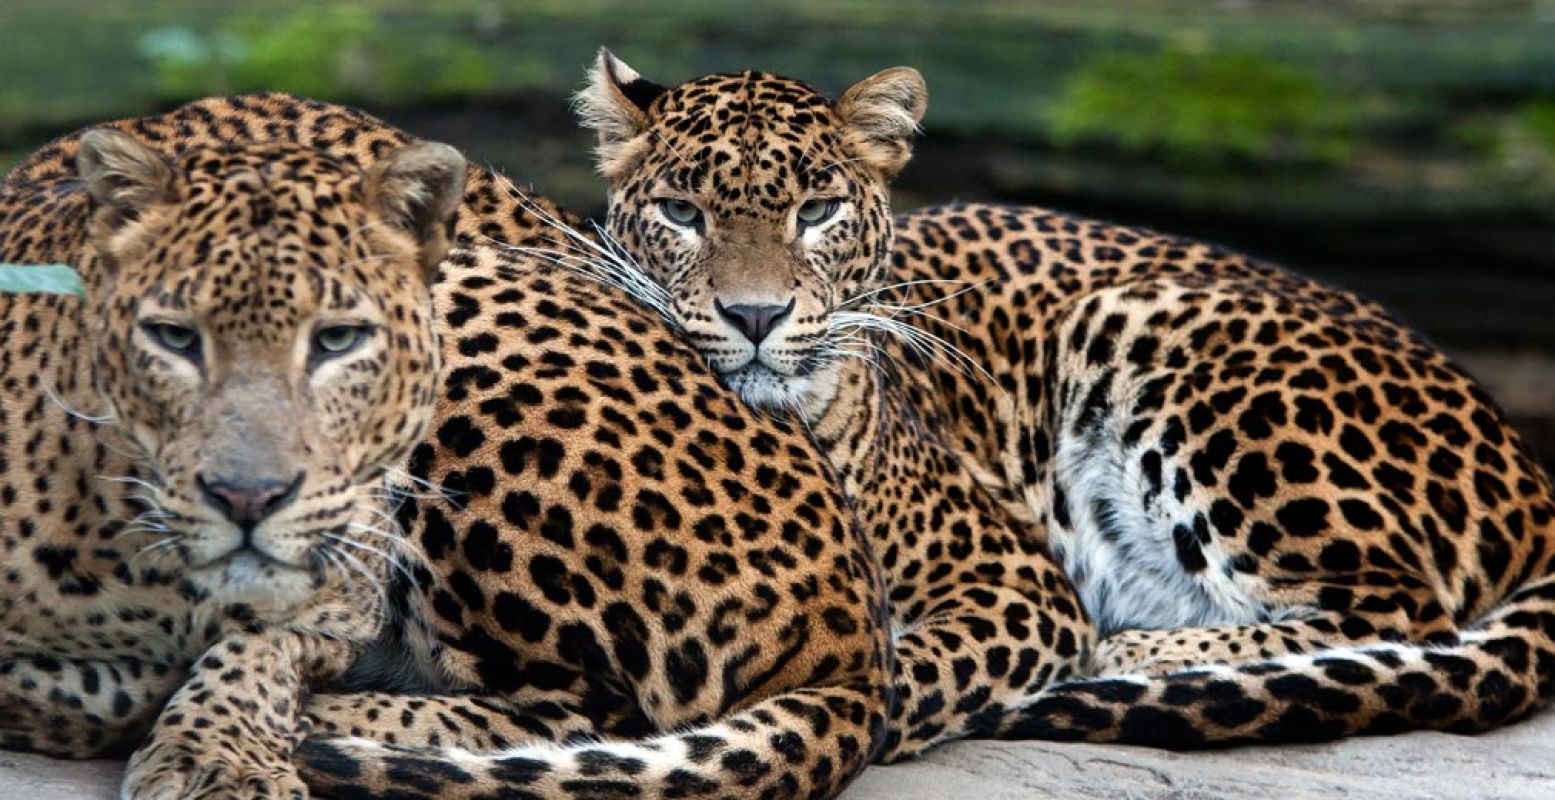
{"x": 148, "y": 485}
{"x": 902, "y": 285}
{"x": 899, "y": 310}
{"x": 926, "y": 344}
{"x": 399, "y": 488}
{"x": 156, "y": 547}
{"x": 604, "y": 253}
{"x": 393, "y": 540}
{"x": 366, "y": 572}
{"x": 50, "y": 392}
{"x": 388, "y": 559}
{"x": 345, "y": 573}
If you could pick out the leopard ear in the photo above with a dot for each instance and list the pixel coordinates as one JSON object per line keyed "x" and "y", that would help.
{"x": 123, "y": 176}
{"x": 882, "y": 113}
{"x": 419, "y": 188}
{"x": 615, "y": 106}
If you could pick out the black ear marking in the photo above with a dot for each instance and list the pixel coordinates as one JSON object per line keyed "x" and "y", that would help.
{"x": 642, "y": 92}
{"x": 615, "y": 105}
{"x": 634, "y": 87}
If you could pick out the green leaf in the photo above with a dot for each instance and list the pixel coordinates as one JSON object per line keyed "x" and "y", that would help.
{"x": 41, "y": 279}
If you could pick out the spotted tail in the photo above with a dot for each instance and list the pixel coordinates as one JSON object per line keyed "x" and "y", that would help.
{"x": 1499, "y": 672}
{"x": 808, "y": 743}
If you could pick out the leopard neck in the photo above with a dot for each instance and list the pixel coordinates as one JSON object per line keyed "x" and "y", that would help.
{"x": 846, "y": 420}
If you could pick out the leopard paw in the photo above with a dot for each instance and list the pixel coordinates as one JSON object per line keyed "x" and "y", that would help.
{"x": 177, "y": 773}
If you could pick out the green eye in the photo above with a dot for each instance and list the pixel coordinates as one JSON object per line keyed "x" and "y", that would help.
{"x": 680, "y": 212}
{"x": 814, "y": 212}
{"x": 338, "y": 339}
{"x": 177, "y": 338}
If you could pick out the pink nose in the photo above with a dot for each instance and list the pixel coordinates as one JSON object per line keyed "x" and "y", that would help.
{"x": 247, "y": 502}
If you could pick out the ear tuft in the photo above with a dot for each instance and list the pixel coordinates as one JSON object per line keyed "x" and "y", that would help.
{"x": 122, "y": 175}
{"x": 614, "y": 104}
{"x": 419, "y": 188}
{"x": 882, "y": 113}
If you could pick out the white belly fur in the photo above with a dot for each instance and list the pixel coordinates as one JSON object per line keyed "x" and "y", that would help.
{"x": 1134, "y": 579}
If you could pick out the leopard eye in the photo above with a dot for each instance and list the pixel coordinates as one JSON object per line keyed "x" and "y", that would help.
{"x": 680, "y": 212}
{"x": 815, "y": 212}
{"x": 337, "y": 339}
{"x": 182, "y": 340}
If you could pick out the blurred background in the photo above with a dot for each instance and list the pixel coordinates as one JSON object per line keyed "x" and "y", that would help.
{"x": 1401, "y": 148}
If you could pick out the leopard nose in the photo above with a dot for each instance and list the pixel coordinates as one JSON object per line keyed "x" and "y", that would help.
{"x": 247, "y": 501}
{"x": 754, "y": 320}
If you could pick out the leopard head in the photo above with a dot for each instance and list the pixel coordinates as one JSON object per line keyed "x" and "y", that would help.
{"x": 759, "y": 207}
{"x": 262, "y": 331}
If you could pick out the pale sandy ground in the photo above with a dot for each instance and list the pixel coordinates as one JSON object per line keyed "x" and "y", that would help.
{"x": 1517, "y": 762}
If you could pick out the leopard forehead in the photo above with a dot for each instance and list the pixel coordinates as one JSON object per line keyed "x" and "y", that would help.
{"x": 263, "y": 240}
{"x": 304, "y": 204}
{"x": 751, "y": 142}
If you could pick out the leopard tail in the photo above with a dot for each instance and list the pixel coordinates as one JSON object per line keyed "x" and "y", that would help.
{"x": 807, "y": 743}
{"x": 1499, "y": 671}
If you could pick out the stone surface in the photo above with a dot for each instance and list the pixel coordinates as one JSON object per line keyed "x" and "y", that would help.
{"x": 1517, "y": 763}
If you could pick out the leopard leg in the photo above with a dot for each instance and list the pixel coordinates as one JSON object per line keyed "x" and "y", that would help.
{"x": 1173, "y": 649}
{"x": 79, "y": 709}
{"x": 230, "y": 730}
{"x": 478, "y": 723}
{"x": 977, "y": 648}
{"x": 1363, "y": 620}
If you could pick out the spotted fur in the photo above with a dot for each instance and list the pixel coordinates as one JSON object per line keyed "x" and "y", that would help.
{"x": 1286, "y": 516}
{"x": 616, "y": 579}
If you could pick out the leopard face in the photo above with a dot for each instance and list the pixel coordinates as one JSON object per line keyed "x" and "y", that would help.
{"x": 759, "y": 209}
{"x": 262, "y": 334}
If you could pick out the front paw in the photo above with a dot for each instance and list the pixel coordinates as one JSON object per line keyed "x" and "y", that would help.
{"x": 177, "y": 773}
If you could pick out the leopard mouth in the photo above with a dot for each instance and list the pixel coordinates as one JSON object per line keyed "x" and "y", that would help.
{"x": 762, "y": 387}
{"x": 244, "y": 558}
{"x": 248, "y": 576}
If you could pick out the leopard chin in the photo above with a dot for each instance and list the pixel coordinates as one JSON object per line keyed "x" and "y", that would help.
{"x": 762, "y": 388}
{"x": 250, "y": 577}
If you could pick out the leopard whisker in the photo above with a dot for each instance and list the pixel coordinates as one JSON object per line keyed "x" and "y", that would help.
{"x": 135, "y": 528}
{"x": 923, "y": 342}
{"x": 365, "y": 571}
{"x": 618, "y": 258}
{"x": 156, "y": 547}
{"x": 53, "y": 395}
{"x": 332, "y": 560}
{"x": 401, "y": 479}
{"x": 392, "y": 560}
{"x": 395, "y": 541}
{"x": 971, "y": 287}
{"x": 144, "y": 484}
{"x": 896, "y": 311}
{"x": 617, "y": 272}
{"x": 901, "y": 285}
{"x": 389, "y": 520}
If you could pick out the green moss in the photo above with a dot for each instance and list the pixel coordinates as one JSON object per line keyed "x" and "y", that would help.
{"x": 340, "y": 51}
{"x": 1203, "y": 109}
{"x": 1538, "y": 118}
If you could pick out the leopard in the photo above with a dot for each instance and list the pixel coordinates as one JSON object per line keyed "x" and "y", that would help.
{"x": 1123, "y": 486}
{"x": 590, "y": 573}
{"x": 188, "y": 447}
